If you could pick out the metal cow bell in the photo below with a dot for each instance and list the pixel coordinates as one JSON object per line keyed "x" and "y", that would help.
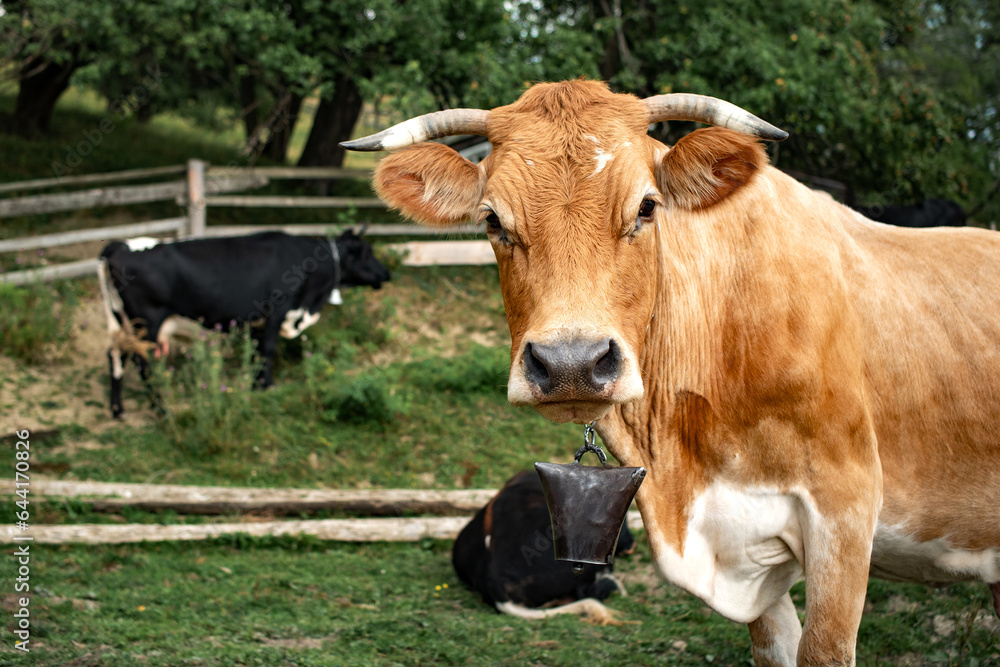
{"x": 588, "y": 504}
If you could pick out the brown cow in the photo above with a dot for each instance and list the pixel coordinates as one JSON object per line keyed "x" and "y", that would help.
{"x": 812, "y": 392}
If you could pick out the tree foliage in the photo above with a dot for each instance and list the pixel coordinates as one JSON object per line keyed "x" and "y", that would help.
{"x": 897, "y": 99}
{"x": 891, "y": 97}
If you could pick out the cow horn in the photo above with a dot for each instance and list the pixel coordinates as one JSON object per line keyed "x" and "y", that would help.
{"x": 423, "y": 128}
{"x": 711, "y": 110}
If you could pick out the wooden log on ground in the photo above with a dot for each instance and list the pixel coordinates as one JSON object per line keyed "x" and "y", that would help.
{"x": 377, "y": 508}
{"x": 227, "y": 500}
{"x": 341, "y": 530}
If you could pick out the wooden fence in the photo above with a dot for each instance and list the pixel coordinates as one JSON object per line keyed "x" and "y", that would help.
{"x": 202, "y": 187}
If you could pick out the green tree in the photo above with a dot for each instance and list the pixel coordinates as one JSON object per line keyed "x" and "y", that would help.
{"x": 44, "y": 43}
{"x": 851, "y": 81}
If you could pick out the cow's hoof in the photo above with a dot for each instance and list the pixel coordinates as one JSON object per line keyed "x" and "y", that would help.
{"x": 117, "y": 414}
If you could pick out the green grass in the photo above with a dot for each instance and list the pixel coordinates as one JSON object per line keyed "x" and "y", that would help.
{"x": 166, "y": 140}
{"x": 35, "y": 319}
{"x": 292, "y": 601}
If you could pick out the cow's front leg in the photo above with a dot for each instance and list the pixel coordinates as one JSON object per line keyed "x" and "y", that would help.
{"x": 775, "y": 635}
{"x": 146, "y": 372}
{"x": 267, "y": 344}
{"x": 838, "y": 554}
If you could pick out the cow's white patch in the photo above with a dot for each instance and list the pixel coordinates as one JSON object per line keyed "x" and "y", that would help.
{"x": 590, "y": 137}
{"x": 897, "y": 556}
{"x": 602, "y": 160}
{"x": 784, "y": 647}
{"x": 742, "y": 552}
{"x": 142, "y": 243}
{"x": 603, "y": 157}
{"x": 297, "y": 321}
{"x": 112, "y": 303}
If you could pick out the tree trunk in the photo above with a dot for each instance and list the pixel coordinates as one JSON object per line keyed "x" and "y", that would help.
{"x": 145, "y": 112}
{"x": 248, "y": 102}
{"x": 334, "y": 122}
{"x": 37, "y": 96}
{"x": 282, "y": 126}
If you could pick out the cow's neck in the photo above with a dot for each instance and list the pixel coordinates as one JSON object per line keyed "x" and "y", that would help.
{"x": 700, "y": 355}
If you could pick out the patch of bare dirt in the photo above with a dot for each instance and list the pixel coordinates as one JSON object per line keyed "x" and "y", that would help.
{"x": 300, "y": 643}
{"x": 71, "y": 389}
{"x": 644, "y": 574}
{"x": 444, "y": 322}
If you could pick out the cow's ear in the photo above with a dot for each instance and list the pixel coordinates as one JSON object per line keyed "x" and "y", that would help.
{"x": 430, "y": 183}
{"x": 708, "y": 165}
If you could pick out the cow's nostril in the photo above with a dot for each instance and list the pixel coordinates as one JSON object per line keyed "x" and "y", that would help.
{"x": 535, "y": 368}
{"x": 608, "y": 366}
{"x": 577, "y": 366}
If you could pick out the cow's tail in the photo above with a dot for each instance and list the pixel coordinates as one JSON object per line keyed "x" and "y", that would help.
{"x": 125, "y": 338}
{"x": 592, "y": 611}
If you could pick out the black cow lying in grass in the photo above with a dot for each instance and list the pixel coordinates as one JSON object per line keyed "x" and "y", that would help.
{"x": 505, "y": 554}
{"x": 274, "y": 282}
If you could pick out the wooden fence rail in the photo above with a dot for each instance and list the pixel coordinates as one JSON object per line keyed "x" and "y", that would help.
{"x": 318, "y": 229}
{"x": 77, "y": 269}
{"x": 264, "y": 201}
{"x": 341, "y": 530}
{"x": 121, "y": 195}
{"x": 296, "y": 173}
{"x": 113, "y": 496}
{"x": 168, "y": 226}
{"x": 204, "y": 187}
{"x": 89, "y": 179}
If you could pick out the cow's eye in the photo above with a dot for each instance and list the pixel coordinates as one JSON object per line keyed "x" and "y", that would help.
{"x": 493, "y": 226}
{"x": 645, "y": 214}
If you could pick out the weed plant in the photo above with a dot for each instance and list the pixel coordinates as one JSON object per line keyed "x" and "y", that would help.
{"x": 36, "y": 320}
{"x": 207, "y": 393}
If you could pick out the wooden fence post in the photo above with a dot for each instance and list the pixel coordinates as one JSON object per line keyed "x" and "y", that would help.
{"x": 196, "y": 197}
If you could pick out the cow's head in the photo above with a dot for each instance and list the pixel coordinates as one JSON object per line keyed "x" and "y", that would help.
{"x": 358, "y": 264}
{"x": 575, "y": 198}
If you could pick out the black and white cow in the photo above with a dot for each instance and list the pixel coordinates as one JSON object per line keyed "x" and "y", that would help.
{"x": 275, "y": 282}
{"x": 928, "y": 213}
{"x": 505, "y": 554}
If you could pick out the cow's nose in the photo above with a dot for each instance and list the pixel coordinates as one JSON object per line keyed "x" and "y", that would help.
{"x": 576, "y": 366}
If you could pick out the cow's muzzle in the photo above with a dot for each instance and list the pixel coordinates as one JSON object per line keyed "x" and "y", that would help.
{"x": 572, "y": 370}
